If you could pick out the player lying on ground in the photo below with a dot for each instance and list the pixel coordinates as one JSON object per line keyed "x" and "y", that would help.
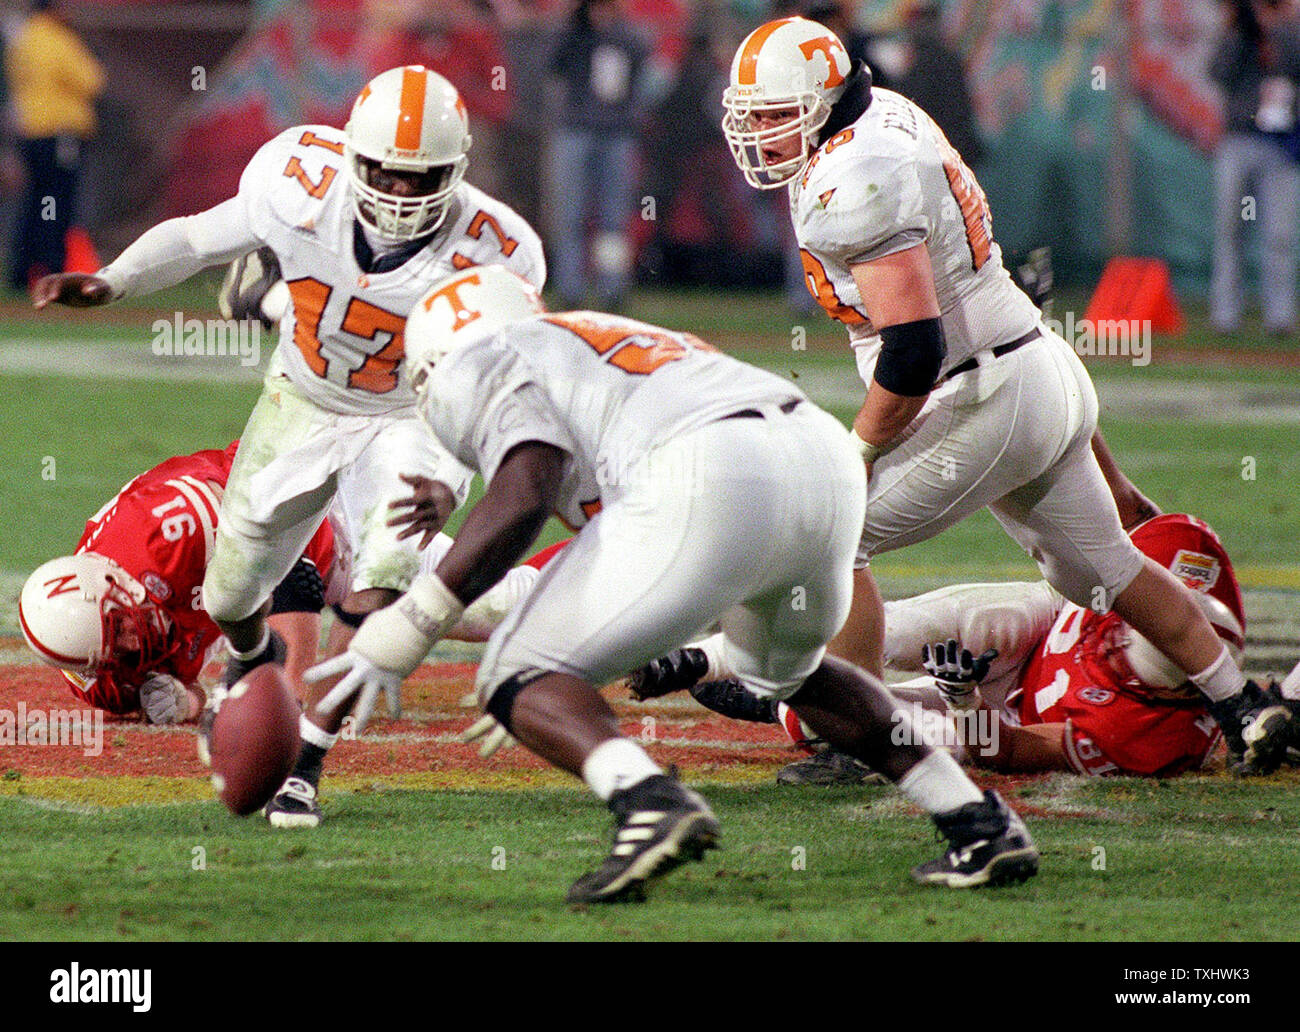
{"x": 971, "y": 400}
{"x": 1066, "y": 688}
{"x": 705, "y": 490}
{"x": 123, "y": 617}
{"x": 361, "y": 221}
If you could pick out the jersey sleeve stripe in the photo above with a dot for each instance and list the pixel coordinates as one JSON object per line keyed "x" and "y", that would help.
{"x": 194, "y": 494}
{"x": 1071, "y": 755}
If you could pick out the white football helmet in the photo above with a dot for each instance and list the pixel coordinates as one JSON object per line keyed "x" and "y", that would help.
{"x": 406, "y": 120}
{"x": 1156, "y": 670}
{"x": 86, "y": 614}
{"x": 791, "y": 63}
{"x": 461, "y": 309}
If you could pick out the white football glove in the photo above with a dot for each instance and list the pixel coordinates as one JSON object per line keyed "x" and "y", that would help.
{"x": 493, "y": 734}
{"x": 363, "y": 680}
{"x": 164, "y": 700}
{"x": 390, "y": 644}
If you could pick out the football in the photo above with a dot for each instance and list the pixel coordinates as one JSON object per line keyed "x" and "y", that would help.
{"x": 254, "y": 741}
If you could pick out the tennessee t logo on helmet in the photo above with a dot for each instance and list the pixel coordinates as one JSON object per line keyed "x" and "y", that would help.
{"x": 785, "y": 78}
{"x": 463, "y": 308}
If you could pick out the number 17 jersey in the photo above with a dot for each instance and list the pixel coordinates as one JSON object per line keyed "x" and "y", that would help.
{"x": 342, "y": 342}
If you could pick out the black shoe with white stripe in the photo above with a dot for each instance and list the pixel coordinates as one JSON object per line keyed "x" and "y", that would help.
{"x": 988, "y": 844}
{"x": 1258, "y": 726}
{"x": 294, "y": 806}
{"x": 661, "y": 825}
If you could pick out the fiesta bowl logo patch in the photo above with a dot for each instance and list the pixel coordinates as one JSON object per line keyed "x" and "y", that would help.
{"x": 1196, "y": 569}
{"x": 157, "y": 587}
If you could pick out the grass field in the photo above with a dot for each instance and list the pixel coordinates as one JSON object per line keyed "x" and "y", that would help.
{"x": 424, "y": 840}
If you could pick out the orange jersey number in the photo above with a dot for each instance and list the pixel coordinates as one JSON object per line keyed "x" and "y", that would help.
{"x": 820, "y": 286}
{"x": 475, "y": 229}
{"x": 378, "y": 374}
{"x": 294, "y": 169}
{"x": 970, "y": 198}
{"x": 618, "y": 340}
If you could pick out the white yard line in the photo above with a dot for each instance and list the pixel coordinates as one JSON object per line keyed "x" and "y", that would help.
{"x": 1251, "y": 404}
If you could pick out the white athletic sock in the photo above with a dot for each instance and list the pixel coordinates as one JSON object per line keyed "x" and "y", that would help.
{"x": 309, "y": 732}
{"x": 616, "y": 765}
{"x": 712, "y": 649}
{"x": 938, "y": 784}
{"x": 1222, "y": 679}
{"x": 263, "y": 642}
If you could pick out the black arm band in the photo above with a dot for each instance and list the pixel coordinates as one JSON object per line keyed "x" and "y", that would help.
{"x": 911, "y": 357}
{"x": 302, "y": 591}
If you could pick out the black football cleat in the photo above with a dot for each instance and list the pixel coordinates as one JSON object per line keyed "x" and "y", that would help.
{"x": 294, "y": 805}
{"x": 661, "y": 824}
{"x": 275, "y": 652}
{"x": 827, "y": 768}
{"x": 678, "y": 671}
{"x": 732, "y": 699}
{"x": 988, "y": 844}
{"x": 1258, "y": 726}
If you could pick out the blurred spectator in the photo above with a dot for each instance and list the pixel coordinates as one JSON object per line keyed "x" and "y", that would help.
{"x": 935, "y": 78}
{"x": 599, "y": 57}
{"x": 685, "y": 140}
{"x": 526, "y": 42}
{"x": 53, "y": 82}
{"x": 1257, "y": 62}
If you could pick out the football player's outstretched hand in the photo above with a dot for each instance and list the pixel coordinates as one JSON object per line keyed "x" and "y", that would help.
{"x": 957, "y": 672}
{"x": 362, "y": 680}
{"x": 430, "y": 502}
{"x": 493, "y": 734}
{"x": 76, "y": 289}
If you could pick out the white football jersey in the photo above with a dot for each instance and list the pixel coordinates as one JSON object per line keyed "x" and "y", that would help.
{"x": 603, "y": 388}
{"x": 887, "y": 183}
{"x": 341, "y": 340}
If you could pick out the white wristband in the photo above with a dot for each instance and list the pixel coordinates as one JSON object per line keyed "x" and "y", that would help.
{"x": 430, "y": 606}
{"x": 398, "y": 638}
{"x": 869, "y": 452}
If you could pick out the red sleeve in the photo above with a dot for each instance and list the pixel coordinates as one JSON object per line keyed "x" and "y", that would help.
{"x": 1125, "y": 735}
{"x": 546, "y": 554}
{"x": 320, "y": 550}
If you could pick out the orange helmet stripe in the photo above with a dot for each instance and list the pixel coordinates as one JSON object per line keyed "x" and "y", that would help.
{"x": 745, "y": 74}
{"x": 410, "y": 110}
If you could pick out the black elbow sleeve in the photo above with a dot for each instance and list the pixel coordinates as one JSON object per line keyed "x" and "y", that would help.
{"x": 911, "y": 357}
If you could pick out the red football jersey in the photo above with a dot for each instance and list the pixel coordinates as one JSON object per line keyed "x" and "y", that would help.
{"x": 1114, "y": 724}
{"x": 161, "y": 528}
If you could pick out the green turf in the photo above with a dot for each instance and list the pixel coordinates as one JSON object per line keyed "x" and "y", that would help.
{"x": 1196, "y": 859}
{"x": 494, "y": 865}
